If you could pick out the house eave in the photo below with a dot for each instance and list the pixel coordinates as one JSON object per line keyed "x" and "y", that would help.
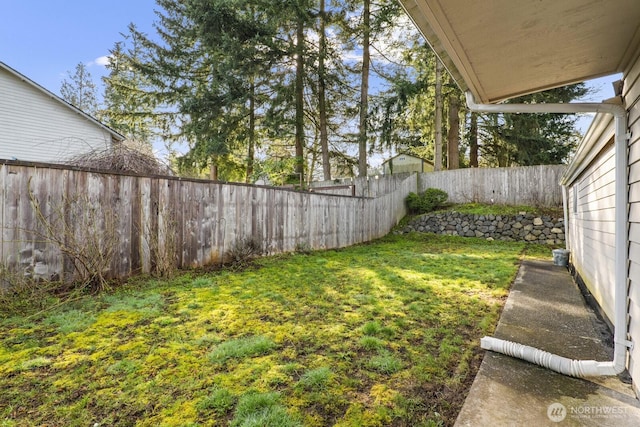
{"x": 499, "y": 49}
{"x": 600, "y": 133}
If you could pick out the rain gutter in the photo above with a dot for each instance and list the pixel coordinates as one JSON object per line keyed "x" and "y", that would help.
{"x": 563, "y": 365}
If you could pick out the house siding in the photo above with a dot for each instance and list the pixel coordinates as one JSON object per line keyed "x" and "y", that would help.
{"x": 591, "y": 210}
{"x": 592, "y": 228}
{"x": 38, "y": 127}
{"x": 405, "y": 163}
{"x": 632, "y": 102}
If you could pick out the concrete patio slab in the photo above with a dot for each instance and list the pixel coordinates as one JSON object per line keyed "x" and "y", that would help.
{"x": 545, "y": 309}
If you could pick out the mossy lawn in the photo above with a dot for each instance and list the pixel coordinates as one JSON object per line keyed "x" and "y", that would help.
{"x": 385, "y": 333}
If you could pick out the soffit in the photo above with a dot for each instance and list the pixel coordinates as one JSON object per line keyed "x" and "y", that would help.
{"x": 499, "y": 49}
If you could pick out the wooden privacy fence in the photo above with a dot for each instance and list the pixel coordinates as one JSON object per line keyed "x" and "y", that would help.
{"x": 368, "y": 186}
{"x": 528, "y": 185}
{"x": 141, "y": 222}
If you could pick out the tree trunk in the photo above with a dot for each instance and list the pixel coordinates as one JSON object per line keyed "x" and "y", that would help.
{"x": 324, "y": 139}
{"x": 364, "y": 90}
{"x": 453, "y": 136}
{"x": 213, "y": 168}
{"x": 473, "y": 140}
{"x": 437, "y": 160}
{"x": 299, "y": 138}
{"x": 252, "y": 132}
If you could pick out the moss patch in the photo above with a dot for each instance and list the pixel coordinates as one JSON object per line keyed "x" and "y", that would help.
{"x": 385, "y": 333}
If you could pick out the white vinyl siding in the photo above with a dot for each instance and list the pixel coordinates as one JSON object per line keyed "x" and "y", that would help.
{"x": 592, "y": 214}
{"x": 592, "y": 224}
{"x": 34, "y": 126}
{"x": 632, "y": 102}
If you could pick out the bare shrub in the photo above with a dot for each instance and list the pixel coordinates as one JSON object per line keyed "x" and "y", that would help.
{"x": 20, "y": 293}
{"x": 163, "y": 244}
{"x": 243, "y": 251}
{"x": 127, "y": 157}
{"x": 303, "y": 248}
{"x": 85, "y": 233}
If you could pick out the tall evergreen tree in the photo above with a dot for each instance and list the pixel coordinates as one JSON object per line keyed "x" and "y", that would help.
{"x": 300, "y": 20}
{"x": 473, "y": 140}
{"x": 532, "y": 139}
{"x": 453, "y": 132}
{"x": 364, "y": 88}
{"x": 322, "y": 90}
{"x": 127, "y": 108}
{"x": 206, "y": 70}
{"x": 79, "y": 90}
{"x": 437, "y": 158}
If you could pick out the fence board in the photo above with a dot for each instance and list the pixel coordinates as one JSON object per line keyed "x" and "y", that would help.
{"x": 531, "y": 185}
{"x": 201, "y": 220}
{"x": 198, "y": 220}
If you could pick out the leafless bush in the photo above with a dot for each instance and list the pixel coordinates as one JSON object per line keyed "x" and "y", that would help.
{"x": 474, "y": 197}
{"x": 537, "y": 199}
{"x": 163, "y": 244}
{"x": 303, "y": 248}
{"x": 19, "y": 293}
{"x": 243, "y": 251}
{"x": 128, "y": 157}
{"x": 85, "y": 233}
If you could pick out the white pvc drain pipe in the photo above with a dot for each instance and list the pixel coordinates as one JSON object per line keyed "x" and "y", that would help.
{"x": 563, "y": 365}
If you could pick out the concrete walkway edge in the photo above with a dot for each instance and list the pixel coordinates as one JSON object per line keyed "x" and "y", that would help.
{"x": 545, "y": 309}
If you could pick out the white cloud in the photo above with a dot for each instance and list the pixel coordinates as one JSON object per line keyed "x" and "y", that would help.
{"x": 103, "y": 61}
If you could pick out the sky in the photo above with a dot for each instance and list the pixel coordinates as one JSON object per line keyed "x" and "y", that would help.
{"x": 46, "y": 39}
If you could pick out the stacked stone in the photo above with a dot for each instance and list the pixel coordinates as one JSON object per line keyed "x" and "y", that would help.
{"x": 527, "y": 227}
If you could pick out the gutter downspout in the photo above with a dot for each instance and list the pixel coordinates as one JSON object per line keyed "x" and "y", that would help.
{"x": 563, "y": 365}
{"x": 565, "y": 210}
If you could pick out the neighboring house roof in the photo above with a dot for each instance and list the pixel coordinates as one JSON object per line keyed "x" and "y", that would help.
{"x": 409, "y": 155}
{"x": 499, "y": 49}
{"x": 115, "y": 135}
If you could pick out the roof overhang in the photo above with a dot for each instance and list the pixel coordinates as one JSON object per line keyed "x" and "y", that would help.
{"x": 600, "y": 134}
{"x": 500, "y": 49}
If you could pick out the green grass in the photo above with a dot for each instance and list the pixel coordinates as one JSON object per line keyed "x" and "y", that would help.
{"x": 316, "y": 379}
{"x": 385, "y": 333}
{"x": 220, "y": 400}
{"x": 509, "y": 210}
{"x": 385, "y": 363}
{"x": 241, "y": 348}
{"x": 262, "y": 409}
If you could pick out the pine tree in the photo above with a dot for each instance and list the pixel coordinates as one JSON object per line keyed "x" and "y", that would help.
{"x": 322, "y": 90}
{"x": 532, "y": 139}
{"x": 127, "y": 108}
{"x": 79, "y": 90}
{"x": 437, "y": 158}
{"x": 208, "y": 71}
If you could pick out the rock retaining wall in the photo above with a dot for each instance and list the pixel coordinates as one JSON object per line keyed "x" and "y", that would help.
{"x": 524, "y": 227}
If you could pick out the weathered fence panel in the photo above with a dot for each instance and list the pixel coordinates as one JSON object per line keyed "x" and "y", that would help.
{"x": 528, "y": 185}
{"x": 368, "y": 186}
{"x": 150, "y": 223}
{"x": 145, "y": 223}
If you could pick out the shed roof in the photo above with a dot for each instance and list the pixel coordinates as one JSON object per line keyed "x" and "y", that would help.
{"x": 499, "y": 49}
{"x": 407, "y": 154}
